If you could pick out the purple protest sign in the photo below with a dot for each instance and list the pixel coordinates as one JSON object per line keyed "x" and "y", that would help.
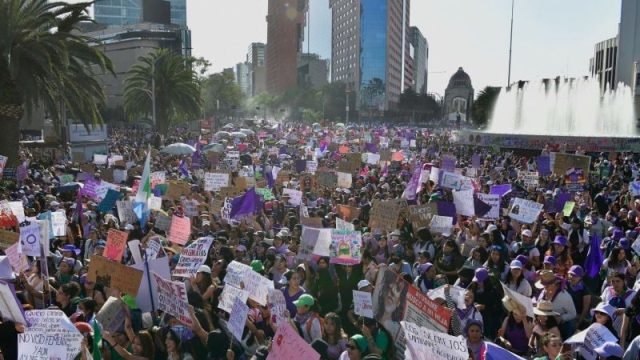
{"x": 90, "y": 187}
{"x": 481, "y": 208}
{"x": 500, "y": 189}
{"x": 447, "y": 209}
{"x": 544, "y": 165}
{"x": 449, "y": 162}
{"x": 562, "y": 198}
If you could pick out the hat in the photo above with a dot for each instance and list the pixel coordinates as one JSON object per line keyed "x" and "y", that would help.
{"x": 395, "y": 232}
{"x": 422, "y": 268}
{"x": 523, "y": 259}
{"x": 54, "y": 203}
{"x": 609, "y": 348}
{"x": 84, "y": 279}
{"x": 560, "y": 240}
{"x": 398, "y": 249}
{"x": 515, "y": 264}
{"x": 617, "y": 234}
{"x": 241, "y": 248}
{"x": 304, "y": 300}
{"x": 511, "y": 305}
{"x": 624, "y": 243}
{"x": 204, "y": 269}
{"x": 363, "y": 284}
{"x": 526, "y": 232}
{"x": 547, "y": 277}
{"x": 206, "y": 223}
{"x": 360, "y": 341}
{"x": 100, "y": 243}
{"x": 491, "y": 228}
{"x": 481, "y": 275}
{"x": 576, "y": 270}
{"x": 549, "y": 259}
{"x": 544, "y": 308}
{"x": 604, "y": 308}
{"x": 128, "y": 227}
{"x": 257, "y": 266}
{"x": 70, "y": 247}
{"x": 83, "y": 327}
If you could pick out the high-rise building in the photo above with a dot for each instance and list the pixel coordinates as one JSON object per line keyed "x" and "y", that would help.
{"x": 312, "y": 70}
{"x": 420, "y": 56}
{"x": 257, "y": 69}
{"x": 242, "y": 77}
{"x": 317, "y": 30}
{"x": 371, "y": 50}
{"x": 602, "y": 65}
{"x": 284, "y": 36}
{"x": 115, "y": 13}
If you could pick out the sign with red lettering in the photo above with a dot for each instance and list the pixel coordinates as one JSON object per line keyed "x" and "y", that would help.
{"x": 172, "y": 298}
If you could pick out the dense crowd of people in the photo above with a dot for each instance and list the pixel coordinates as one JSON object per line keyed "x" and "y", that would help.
{"x": 482, "y": 260}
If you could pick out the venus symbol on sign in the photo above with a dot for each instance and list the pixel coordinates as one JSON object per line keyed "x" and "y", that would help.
{"x": 30, "y": 238}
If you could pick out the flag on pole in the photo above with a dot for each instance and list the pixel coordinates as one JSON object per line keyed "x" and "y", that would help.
{"x": 141, "y": 202}
{"x": 248, "y": 203}
{"x": 183, "y": 168}
{"x": 594, "y": 258}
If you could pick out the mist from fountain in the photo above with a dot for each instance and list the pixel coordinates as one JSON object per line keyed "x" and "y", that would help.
{"x": 568, "y": 108}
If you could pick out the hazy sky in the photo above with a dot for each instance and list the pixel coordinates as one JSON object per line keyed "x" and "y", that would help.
{"x": 550, "y": 37}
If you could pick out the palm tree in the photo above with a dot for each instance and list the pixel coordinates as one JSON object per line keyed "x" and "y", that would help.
{"x": 44, "y": 62}
{"x": 177, "y": 89}
{"x": 483, "y": 106}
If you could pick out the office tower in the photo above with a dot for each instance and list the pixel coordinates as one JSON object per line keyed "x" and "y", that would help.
{"x": 242, "y": 77}
{"x": 116, "y": 13}
{"x": 257, "y": 70}
{"x": 420, "y": 56}
{"x": 317, "y": 35}
{"x": 371, "y": 50}
{"x": 284, "y": 36}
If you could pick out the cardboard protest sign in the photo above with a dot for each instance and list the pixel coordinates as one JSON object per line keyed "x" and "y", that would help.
{"x": 591, "y": 338}
{"x": 238, "y": 318}
{"x": 568, "y": 207}
{"x": 383, "y": 215}
{"x": 180, "y": 230}
{"x": 525, "y": 211}
{"x": 421, "y": 215}
{"x": 172, "y": 298}
{"x": 345, "y": 247}
{"x": 423, "y": 343}
{"x": 192, "y": 257}
{"x": 114, "y": 275}
{"x": 228, "y": 296}
{"x": 163, "y": 222}
{"x": 112, "y": 314}
{"x": 8, "y": 238}
{"x": 288, "y": 345}
{"x": 51, "y": 335}
{"x": 311, "y": 221}
{"x": 560, "y": 162}
{"x": 348, "y": 213}
{"x": 116, "y": 244}
{"x": 362, "y": 304}
{"x": 326, "y": 179}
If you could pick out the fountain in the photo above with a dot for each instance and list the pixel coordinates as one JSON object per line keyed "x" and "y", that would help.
{"x": 532, "y": 115}
{"x": 567, "y": 108}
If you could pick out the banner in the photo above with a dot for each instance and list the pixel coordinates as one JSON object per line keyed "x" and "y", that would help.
{"x": 51, "y": 335}
{"x": 180, "y": 230}
{"x": 116, "y": 244}
{"x": 345, "y": 247}
{"x": 525, "y": 211}
{"x": 192, "y": 257}
{"x": 395, "y": 300}
{"x": 288, "y": 345}
{"x": 114, "y": 275}
{"x": 424, "y": 344}
{"x": 172, "y": 298}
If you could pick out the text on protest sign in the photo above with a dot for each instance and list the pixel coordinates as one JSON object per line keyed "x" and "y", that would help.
{"x": 277, "y": 305}
{"x": 112, "y": 314}
{"x": 172, "y": 298}
{"x": 229, "y": 294}
{"x": 50, "y": 336}
{"x": 362, "y": 304}
{"x": 180, "y": 230}
{"x": 383, "y": 215}
{"x": 441, "y": 224}
{"x": 591, "y": 338}
{"x": 192, "y": 257}
{"x": 215, "y": 181}
{"x": 235, "y": 273}
{"x": 525, "y": 211}
{"x": 492, "y": 200}
{"x": 421, "y": 215}
{"x": 238, "y": 318}
{"x": 423, "y": 343}
{"x": 116, "y": 244}
{"x": 114, "y": 275}
{"x": 288, "y": 345}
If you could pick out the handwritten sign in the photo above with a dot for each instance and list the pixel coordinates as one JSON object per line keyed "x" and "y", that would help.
{"x": 114, "y": 275}
{"x": 228, "y": 296}
{"x": 163, "y": 222}
{"x": 125, "y": 212}
{"x": 235, "y": 273}
{"x": 441, "y": 224}
{"x": 116, "y": 244}
{"x": 362, "y": 304}
{"x": 277, "y": 305}
{"x": 238, "y": 318}
{"x": 525, "y": 211}
{"x": 192, "y": 257}
{"x": 30, "y": 238}
{"x": 50, "y": 336}
{"x": 180, "y": 230}
{"x": 344, "y": 225}
{"x": 214, "y": 181}
{"x": 423, "y": 343}
{"x": 172, "y": 298}
{"x": 295, "y": 196}
{"x": 326, "y": 179}
{"x": 383, "y": 215}
{"x": 421, "y": 215}
{"x": 594, "y": 336}
{"x": 288, "y": 345}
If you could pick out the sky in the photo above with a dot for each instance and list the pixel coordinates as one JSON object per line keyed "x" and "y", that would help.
{"x": 550, "y": 37}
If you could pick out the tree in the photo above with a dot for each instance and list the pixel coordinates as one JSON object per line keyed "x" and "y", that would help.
{"x": 221, "y": 94}
{"x": 311, "y": 116}
{"x": 484, "y": 104}
{"x": 177, "y": 91}
{"x": 45, "y": 62}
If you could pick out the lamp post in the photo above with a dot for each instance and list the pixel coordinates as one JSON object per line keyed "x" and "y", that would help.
{"x": 510, "y": 44}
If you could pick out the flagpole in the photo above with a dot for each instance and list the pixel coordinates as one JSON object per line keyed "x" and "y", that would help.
{"x": 146, "y": 266}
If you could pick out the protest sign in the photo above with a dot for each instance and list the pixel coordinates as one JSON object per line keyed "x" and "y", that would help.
{"x": 348, "y": 213}
{"x": 17, "y": 209}
{"x": 266, "y": 193}
{"x": 51, "y": 335}
{"x": 238, "y": 318}
{"x": 214, "y": 181}
{"x": 125, "y": 212}
{"x": 544, "y": 165}
{"x": 295, "y": 196}
{"x": 362, "y": 304}
{"x": 102, "y": 189}
{"x": 448, "y": 162}
{"x": 30, "y": 237}
{"x": 591, "y": 338}
{"x": 172, "y": 298}
{"x": 451, "y": 180}
{"x": 147, "y": 298}
{"x": 112, "y": 314}
{"x": 563, "y": 162}
{"x": 531, "y": 179}
{"x": 568, "y": 207}
{"x": 383, "y": 215}
{"x": 228, "y": 296}
{"x": 90, "y": 187}
{"x": 114, "y": 275}
{"x": 10, "y": 306}
{"x": 345, "y": 247}
{"x": 326, "y": 179}
{"x": 441, "y": 224}
{"x": 525, "y": 211}
{"x": 277, "y": 305}
{"x": 236, "y": 272}
{"x": 464, "y": 202}
{"x": 257, "y": 286}
{"x": 154, "y": 203}
{"x": 634, "y": 188}
{"x": 500, "y": 189}
{"x": 109, "y": 201}
{"x": 8, "y": 238}
{"x": 522, "y": 301}
{"x": 17, "y": 260}
{"x": 423, "y": 343}
{"x": 344, "y": 225}
{"x": 457, "y": 294}
{"x": 180, "y": 230}
{"x": 192, "y": 257}
{"x": 157, "y": 177}
{"x": 344, "y": 180}
{"x": 154, "y": 248}
{"x": 59, "y": 223}
{"x": 163, "y": 222}
{"x": 311, "y": 221}
{"x": 314, "y": 241}
{"x": 411, "y": 305}
{"x": 492, "y": 200}
{"x": 190, "y": 207}
{"x": 116, "y": 244}
{"x": 575, "y": 179}
{"x": 288, "y": 345}
{"x": 312, "y": 166}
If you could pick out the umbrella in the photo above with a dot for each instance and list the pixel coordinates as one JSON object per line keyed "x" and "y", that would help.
{"x": 214, "y": 147}
{"x": 179, "y": 149}
{"x": 239, "y": 134}
{"x": 339, "y": 125}
{"x": 316, "y": 125}
{"x": 228, "y": 126}
{"x": 247, "y": 131}
{"x": 223, "y": 133}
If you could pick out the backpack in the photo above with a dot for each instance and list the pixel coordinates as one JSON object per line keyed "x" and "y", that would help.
{"x": 310, "y": 322}
{"x": 619, "y": 301}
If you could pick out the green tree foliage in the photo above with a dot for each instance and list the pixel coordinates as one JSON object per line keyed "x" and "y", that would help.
{"x": 43, "y": 61}
{"x": 222, "y": 94}
{"x": 177, "y": 90}
{"x": 484, "y": 104}
{"x": 311, "y": 116}
{"x": 419, "y": 107}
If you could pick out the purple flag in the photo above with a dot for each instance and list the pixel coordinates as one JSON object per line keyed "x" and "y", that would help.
{"x": 195, "y": 158}
{"x": 183, "y": 168}
{"x": 323, "y": 147}
{"x": 372, "y": 148}
{"x": 544, "y": 165}
{"x": 500, "y": 189}
{"x": 495, "y": 352}
{"x": 248, "y": 203}
{"x": 410, "y": 191}
{"x": 594, "y": 258}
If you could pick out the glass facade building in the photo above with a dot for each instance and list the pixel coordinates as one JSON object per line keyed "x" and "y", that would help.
{"x": 129, "y": 12}
{"x": 373, "y": 54}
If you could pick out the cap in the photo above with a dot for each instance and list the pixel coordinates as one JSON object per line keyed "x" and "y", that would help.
{"x": 481, "y": 275}
{"x": 576, "y": 270}
{"x": 257, "y": 266}
{"x": 550, "y": 260}
{"x": 609, "y": 349}
{"x": 515, "y": 264}
{"x": 304, "y": 300}
{"x": 204, "y": 269}
{"x": 526, "y": 232}
{"x": 363, "y": 284}
{"x": 560, "y": 240}
{"x": 604, "y": 308}
{"x": 128, "y": 227}
{"x": 422, "y": 268}
{"x": 241, "y": 248}
{"x": 101, "y": 243}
